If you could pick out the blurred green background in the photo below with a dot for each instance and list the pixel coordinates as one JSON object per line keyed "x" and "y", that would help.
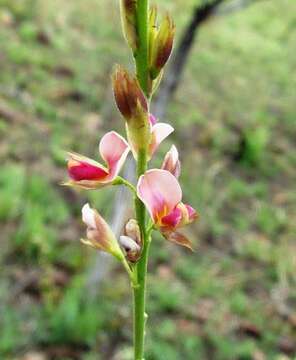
{"x": 234, "y": 115}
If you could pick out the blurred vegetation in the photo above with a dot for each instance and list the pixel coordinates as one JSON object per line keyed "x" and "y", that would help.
{"x": 234, "y": 115}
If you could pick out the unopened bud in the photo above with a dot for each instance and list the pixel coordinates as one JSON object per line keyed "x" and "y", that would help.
{"x": 99, "y": 234}
{"x": 161, "y": 43}
{"x": 131, "y": 248}
{"x": 131, "y": 240}
{"x": 128, "y": 20}
{"x": 132, "y": 230}
{"x": 133, "y": 105}
{"x": 171, "y": 162}
{"x": 129, "y": 97}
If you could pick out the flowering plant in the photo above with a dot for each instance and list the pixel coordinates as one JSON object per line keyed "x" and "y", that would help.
{"x": 157, "y": 193}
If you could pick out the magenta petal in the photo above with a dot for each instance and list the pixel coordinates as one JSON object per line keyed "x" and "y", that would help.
{"x": 152, "y": 119}
{"x": 192, "y": 214}
{"x": 160, "y": 131}
{"x": 172, "y": 219}
{"x": 83, "y": 168}
{"x": 114, "y": 150}
{"x": 86, "y": 172}
{"x": 160, "y": 192}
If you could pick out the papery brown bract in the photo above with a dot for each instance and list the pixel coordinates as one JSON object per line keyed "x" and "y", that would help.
{"x": 133, "y": 106}
{"x": 128, "y": 94}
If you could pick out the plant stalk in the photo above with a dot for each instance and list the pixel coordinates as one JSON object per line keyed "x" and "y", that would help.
{"x": 139, "y": 292}
{"x": 141, "y": 270}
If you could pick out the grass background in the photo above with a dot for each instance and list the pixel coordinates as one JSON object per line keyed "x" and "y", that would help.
{"x": 234, "y": 115}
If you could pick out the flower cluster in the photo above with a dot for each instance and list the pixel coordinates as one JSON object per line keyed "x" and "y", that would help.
{"x": 158, "y": 189}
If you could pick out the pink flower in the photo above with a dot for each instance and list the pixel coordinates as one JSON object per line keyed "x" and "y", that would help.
{"x": 99, "y": 234}
{"x": 161, "y": 193}
{"x": 171, "y": 162}
{"x": 159, "y": 131}
{"x": 89, "y": 174}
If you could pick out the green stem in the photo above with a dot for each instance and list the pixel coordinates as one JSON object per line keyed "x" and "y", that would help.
{"x": 140, "y": 269}
{"x": 121, "y": 181}
{"x": 139, "y": 303}
{"x": 131, "y": 273}
{"x": 141, "y": 58}
{"x": 141, "y": 55}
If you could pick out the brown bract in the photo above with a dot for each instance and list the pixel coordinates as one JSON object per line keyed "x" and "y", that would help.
{"x": 129, "y": 97}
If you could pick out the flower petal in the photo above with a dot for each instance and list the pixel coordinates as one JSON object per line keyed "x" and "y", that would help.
{"x": 178, "y": 239}
{"x": 88, "y": 216}
{"x": 114, "y": 150}
{"x": 128, "y": 244}
{"x": 85, "y": 184}
{"x": 159, "y": 132}
{"x": 160, "y": 192}
{"x": 188, "y": 214}
{"x": 171, "y": 162}
{"x": 172, "y": 220}
{"x": 192, "y": 213}
{"x": 84, "y": 168}
{"x": 152, "y": 119}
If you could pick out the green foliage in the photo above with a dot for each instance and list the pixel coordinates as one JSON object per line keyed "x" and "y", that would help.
{"x": 12, "y": 181}
{"x": 75, "y": 319}
{"x": 254, "y": 145}
{"x": 10, "y": 331}
{"x": 31, "y": 201}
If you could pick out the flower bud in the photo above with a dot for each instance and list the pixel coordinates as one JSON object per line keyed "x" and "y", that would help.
{"x": 131, "y": 240}
{"x": 132, "y": 104}
{"x": 128, "y": 20}
{"x": 132, "y": 230}
{"x": 160, "y": 43}
{"x": 129, "y": 97}
{"x": 131, "y": 248}
{"x": 99, "y": 235}
{"x": 171, "y": 162}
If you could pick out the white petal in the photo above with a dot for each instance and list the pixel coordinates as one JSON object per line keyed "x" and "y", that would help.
{"x": 88, "y": 216}
{"x": 174, "y": 153}
{"x": 128, "y": 244}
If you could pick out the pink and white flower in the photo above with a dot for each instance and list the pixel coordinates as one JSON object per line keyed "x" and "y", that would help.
{"x": 89, "y": 174}
{"x": 171, "y": 162}
{"x": 99, "y": 234}
{"x": 162, "y": 195}
{"x": 159, "y": 131}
